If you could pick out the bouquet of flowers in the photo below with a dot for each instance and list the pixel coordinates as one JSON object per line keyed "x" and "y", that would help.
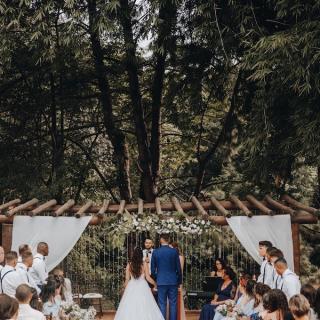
{"x": 74, "y": 312}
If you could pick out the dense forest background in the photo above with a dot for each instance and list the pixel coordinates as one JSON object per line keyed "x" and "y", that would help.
{"x": 120, "y": 99}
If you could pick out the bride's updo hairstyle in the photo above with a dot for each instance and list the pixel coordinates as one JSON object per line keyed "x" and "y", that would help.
{"x": 136, "y": 263}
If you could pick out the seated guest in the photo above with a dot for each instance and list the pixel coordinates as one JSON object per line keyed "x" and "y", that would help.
{"x": 10, "y": 278}
{"x": 1, "y": 257}
{"x": 66, "y": 284}
{"x": 275, "y": 306}
{"x": 23, "y": 268}
{"x": 36, "y": 302}
{"x": 8, "y": 307}
{"x": 51, "y": 297}
{"x": 290, "y": 281}
{"x": 39, "y": 270}
{"x": 273, "y": 254}
{"x": 224, "y": 292}
{"x": 218, "y": 268}
{"x": 243, "y": 280}
{"x": 24, "y": 296}
{"x": 299, "y": 307}
{"x": 266, "y": 269}
{"x": 260, "y": 290}
{"x": 310, "y": 293}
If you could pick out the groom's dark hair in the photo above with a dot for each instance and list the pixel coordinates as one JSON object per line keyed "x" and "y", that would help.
{"x": 165, "y": 237}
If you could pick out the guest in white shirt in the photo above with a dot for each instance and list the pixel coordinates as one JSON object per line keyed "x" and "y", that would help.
{"x": 10, "y": 279}
{"x": 23, "y": 268}
{"x": 147, "y": 252}
{"x": 273, "y": 254}
{"x": 24, "y": 296}
{"x": 39, "y": 270}
{"x": 1, "y": 257}
{"x": 291, "y": 284}
{"x": 266, "y": 269}
{"x": 8, "y": 307}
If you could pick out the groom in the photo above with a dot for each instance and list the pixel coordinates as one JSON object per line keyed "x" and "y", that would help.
{"x": 165, "y": 266}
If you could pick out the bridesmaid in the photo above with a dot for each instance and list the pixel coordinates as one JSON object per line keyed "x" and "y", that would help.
{"x": 218, "y": 268}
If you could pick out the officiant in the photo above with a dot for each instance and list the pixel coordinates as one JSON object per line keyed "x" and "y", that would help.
{"x": 147, "y": 252}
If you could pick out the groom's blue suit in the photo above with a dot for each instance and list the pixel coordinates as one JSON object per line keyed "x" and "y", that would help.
{"x": 165, "y": 266}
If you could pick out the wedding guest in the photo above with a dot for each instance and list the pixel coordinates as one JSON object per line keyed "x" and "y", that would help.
{"x": 243, "y": 280}
{"x": 291, "y": 284}
{"x": 273, "y": 254}
{"x": 36, "y": 302}
{"x": 224, "y": 292}
{"x": 22, "y": 248}
{"x": 66, "y": 284}
{"x": 259, "y": 291}
{"x": 299, "y": 307}
{"x": 218, "y": 268}
{"x": 10, "y": 278}
{"x": 24, "y": 297}
{"x": 1, "y": 257}
{"x": 39, "y": 270}
{"x": 275, "y": 306}
{"x": 317, "y": 303}
{"x": 23, "y": 268}
{"x": 310, "y": 293}
{"x": 148, "y": 251}
{"x": 266, "y": 269}
{"x": 245, "y": 304}
{"x": 51, "y": 297}
{"x": 8, "y": 307}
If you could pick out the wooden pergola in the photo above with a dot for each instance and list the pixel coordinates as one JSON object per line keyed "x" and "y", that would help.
{"x": 211, "y": 209}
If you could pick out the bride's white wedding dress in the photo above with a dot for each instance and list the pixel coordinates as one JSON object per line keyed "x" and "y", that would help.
{"x": 137, "y": 302}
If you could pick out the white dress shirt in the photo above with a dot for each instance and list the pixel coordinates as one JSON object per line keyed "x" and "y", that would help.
{"x": 10, "y": 280}
{"x": 39, "y": 270}
{"x": 28, "y": 313}
{"x": 277, "y": 282}
{"x": 291, "y": 284}
{"x": 148, "y": 253}
{"x": 267, "y": 273}
{"x": 26, "y": 277}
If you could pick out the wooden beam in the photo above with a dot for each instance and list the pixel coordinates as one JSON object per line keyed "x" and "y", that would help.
{"x": 259, "y": 205}
{"x": 140, "y": 207}
{"x": 22, "y": 207}
{"x": 44, "y": 207}
{"x": 6, "y": 237}
{"x": 158, "y": 206}
{"x": 177, "y": 205}
{"x": 295, "y": 228}
{"x": 104, "y": 208}
{"x": 241, "y": 205}
{"x": 220, "y": 208}
{"x": 277, "y": 205}
{"x": 121, "y": 206}
{"x": 83, "y": 209}
{"x": 9, "y": 204}
{"x": 298, "y": 205}
{"x": 199, "y": 207}
{"x": 68, "y": 205}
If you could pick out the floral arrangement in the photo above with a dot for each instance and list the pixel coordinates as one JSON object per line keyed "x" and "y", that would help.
{"x": 74, "y": 312}
{"x": 170, "y": 223}
{"x": 228, "y": 310}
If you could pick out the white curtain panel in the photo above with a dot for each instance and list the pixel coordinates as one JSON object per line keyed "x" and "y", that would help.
{"x": 276, "y": 229}
{"x": 61, "y": 234}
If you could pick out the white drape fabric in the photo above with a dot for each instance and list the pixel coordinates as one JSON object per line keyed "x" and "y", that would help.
{"x": 61, "y": 234}
{"x": 276, "y": 229}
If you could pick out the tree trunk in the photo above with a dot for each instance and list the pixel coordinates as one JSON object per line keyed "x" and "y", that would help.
{"x": 167, "y": 18}
{"x": 148, "y": 186}
{"x": 117, "y": 138}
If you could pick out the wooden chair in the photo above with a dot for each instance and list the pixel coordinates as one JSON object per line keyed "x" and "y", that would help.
{"x": 77, "y": 296}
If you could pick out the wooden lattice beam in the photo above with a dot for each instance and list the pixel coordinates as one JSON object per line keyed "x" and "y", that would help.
{"x": 220, "y": 208}
{"x": 177, "y": 205}
{"x": 9, "y": 204}
{"x": 81, "y": 212}
{"x": 104, "y": 208}
{"x": 121, "y": 207}
{"x": 241, "y": 206}
{"x": 199, "y": 207}
{"x": 298, "y": 205}
{"x": 140, "y": 207}
{"x": 22, "y": 207}
{"x": 44, "y": 207}
{"x": 279, "y": 206}
{"x": 61, "y": 210}
{"x": 259, "y": 205}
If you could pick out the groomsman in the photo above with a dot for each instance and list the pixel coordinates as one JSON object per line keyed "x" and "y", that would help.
{"x": 148, "y": 251}
{"x": 291, "y": 284}
{"x": 10, "y": 279}
{"x": 22, "y": 248}
{"x": 273, "y": 254}
{"x": 23, "y": 268}
{"x": 39, "y": 270}
{"x": 266, "y": 269}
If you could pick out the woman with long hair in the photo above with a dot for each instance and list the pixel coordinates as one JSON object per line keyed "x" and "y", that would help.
{"x": 9, "y": 307}
{"x": 137, "y": 302}
{"x": 299, "y": 307}
{"x": 218, "y": 268}
{"x": 310, "y": 293}
{"x": 275, "y": 304}
{"x": 259, "y": 291}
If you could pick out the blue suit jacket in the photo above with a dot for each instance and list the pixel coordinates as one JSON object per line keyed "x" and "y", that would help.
{"x": 165, "y": 266}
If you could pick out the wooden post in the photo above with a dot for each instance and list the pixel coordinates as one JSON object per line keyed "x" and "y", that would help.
{"x": 6, "y": 237}
{"x": 296, "y": 246}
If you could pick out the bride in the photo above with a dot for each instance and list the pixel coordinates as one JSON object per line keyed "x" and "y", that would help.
{"x": 137, "y": 302}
